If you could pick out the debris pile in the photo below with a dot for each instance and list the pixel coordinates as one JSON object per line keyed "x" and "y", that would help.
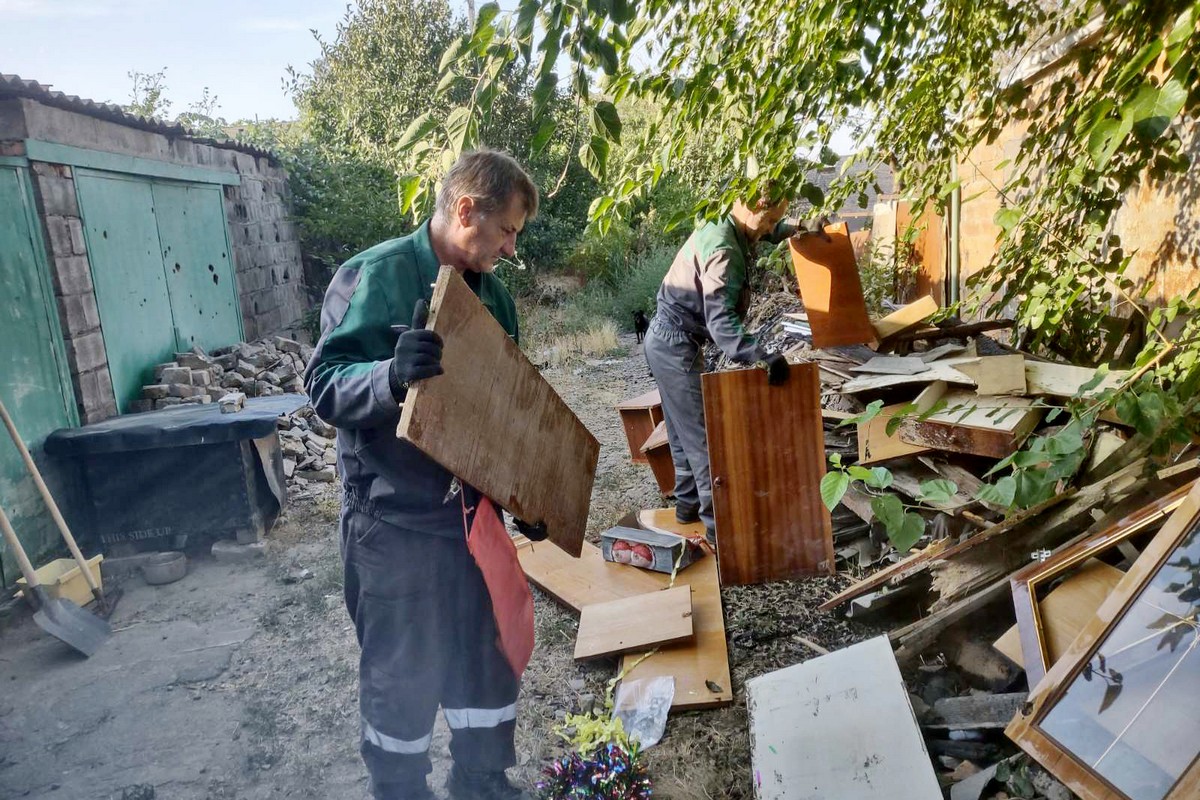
{"x": 268, "y": 367}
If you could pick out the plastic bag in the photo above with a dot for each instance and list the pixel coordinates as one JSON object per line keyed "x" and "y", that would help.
{"x": 642, "y": 707}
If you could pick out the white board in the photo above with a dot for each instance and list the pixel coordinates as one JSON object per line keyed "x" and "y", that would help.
{"x": 838, "y": 727}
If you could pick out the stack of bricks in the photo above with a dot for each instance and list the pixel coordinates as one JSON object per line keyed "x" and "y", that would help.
{"x": 268, "y": 367}
{"x": 309, "y": 448}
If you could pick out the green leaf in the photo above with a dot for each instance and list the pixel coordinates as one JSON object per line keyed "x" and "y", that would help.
{"x": 606, "y": 121}
{"x": 881, "y": 478}
{"x": 1000, "y": 493}
{"x": 594, "y": 156}
{"x": 1153, "y": 108}
{"x": 452, "y": 53}
{"x": 869, "y": 413}
{"x": 860, "y": 473}
{"x": 542, "y": 93}
{"x": 1031, "y": 487}
{"x": 1007, "y": 218}
{"x": 1153, "y": 412}
{"x": 486, "y": 13}
{"x": 409, "y": 187}
{"x": 813, "y": 194}
{"x": 417, "y": 130}
{"x": 889, "y": 510}
{"x": 540, "y": 139}
{"x": 833, "y": 488}
{"x": 1106, "y": 138}
{"x": 938, "y": 491}
{"x": 908, "y": 533}
{"x": 460, "y": 128}
{"x": 448, "y": 80}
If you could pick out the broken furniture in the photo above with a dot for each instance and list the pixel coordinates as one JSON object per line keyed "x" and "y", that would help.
{"x": 980, "y": 425}
{"x": 1116, "y": 716}
{"x": 187, "y": 472}
{"x": 1046, "y": 628}
{"x": 766, "y": 452}
{"x": 542, "y": 468}
{"x": 838, "y": 726}
{"x": 656, "y": 451}
{"x": 905, "y": 318}
{"x": 827, "y": 276}
{"x": 640, "y": 416}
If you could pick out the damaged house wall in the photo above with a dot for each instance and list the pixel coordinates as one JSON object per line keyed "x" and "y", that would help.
{"x": 123, "y": 240}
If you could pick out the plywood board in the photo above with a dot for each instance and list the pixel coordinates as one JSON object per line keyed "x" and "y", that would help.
{"x": 766, "y": 449}
{"x": 579, "y": 582}
{"x": 827, "y": 276}
{"x": 839, "y": 726}
{"x": 1065, "y": 610}
{"x": 657, "y": 438}
{"x": 495, "y": 422}
{"x": 996, "y": 374}
{"x": 663, "y": 520}
{"x": 700, "y": 667}
{"x": 634, "y": 623}
{"x": 1064, "y": 380}
{"x": 876, "y": 445}
{"x": 938, "y": 371}
{"x": 906, "y": 317}
{"x": 979, "y": 425}
{"x": 892, "y": 365}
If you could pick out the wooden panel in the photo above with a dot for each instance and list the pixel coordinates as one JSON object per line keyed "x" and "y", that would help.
{"x": 830, "y": 287}
{"x": 906, "y": 317}
{"x": 938, "y": 371}
{"x": 874, "y": 443}
{"x": 996, "y": 374}
{"x": 985, "y": 426}
{"x": 495, "y": 422}
{"x": 663, "y": 520}
{"x": 634, "y": 623}
{"x": 838, "y": 727}
{"x": 700, "y": 667}
{"x": 1064, "y": 612}
{"x": 579, "y": 582}
{"x": 639, "y": 416}
{"x": 1064, "y": 380}
{"x": 766, "y": 447}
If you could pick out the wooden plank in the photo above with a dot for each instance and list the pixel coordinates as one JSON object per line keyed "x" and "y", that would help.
{"x": 662, "y": 466}
{"x": 1004, "y": 375}
{"x": 913, "y": 640}
{"x": 634, "y": 623}
{"x": 941, "y": 351}
{"x": 579, "y": 582}
{"x": 657, "y": 438}
{"x": 1047, "y": 379}
{"x": 827, "y": 276}
{"x": 892, "y": 365}
{"x": 495, "y": 422}
{"x": 700, "y": 667}
{"x": 839, "y": 726}
{"x": 1063, "y": 613}
{"x": 897, "y": 571}
{"x": 938, "y": 371}
{"x": 639, "y": 416}
{"x": 984, "y": 426}
{"x": 663, "y": 520}
{"x": 906, "y": 317}
{"x": 975, "y": 712}
{"x": 771, "y": 523}
{"x": 875, "y": 444}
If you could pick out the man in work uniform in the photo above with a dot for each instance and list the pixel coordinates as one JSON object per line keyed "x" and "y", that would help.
{"x": 419, "y": 603}
{"x": 704, "y": 297}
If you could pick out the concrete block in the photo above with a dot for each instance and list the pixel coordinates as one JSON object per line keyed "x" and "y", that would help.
{"x": 230, "y": 552}
{"x": 216, "y": 392}
{"x": 58, "y": 196}
{"x": 78, "y": 244}
{"x": 78, "y": 313}
{"x": 232, "y": 380}
{"x": 58, "y": 228}
{"x": 232, "y": 402}
{"x": 201, "y": 377}
{"x": 139, "y": 406}
{"x": 185, "y": 390}
{"x": 181, "y": 375}
{"x": 94, "y": 390}
{"x": 249, "y": 536}
{"x": 289, "y": 467}
{"x": 167, "y": 402}
{"x": 287, "y": 345}
{"x": 86, "y": 352}
{"x": 193, "y": 360}
{"x": 326, "y": 475}
{"x": 158, "y": 370}
{"x": 156, "y": 391}
{"x": 72, "y": 274}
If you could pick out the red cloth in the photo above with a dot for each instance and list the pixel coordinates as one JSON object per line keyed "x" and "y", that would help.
{"x": 512, "y": 603}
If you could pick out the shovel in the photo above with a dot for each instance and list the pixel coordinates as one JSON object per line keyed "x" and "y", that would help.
{"x": 60, "y": 618}
{"x": 102, "y": 603}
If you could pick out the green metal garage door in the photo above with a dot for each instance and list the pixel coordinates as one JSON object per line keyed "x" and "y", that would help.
{"x": 160, "y": 263}
{"x": 34, "y": 384}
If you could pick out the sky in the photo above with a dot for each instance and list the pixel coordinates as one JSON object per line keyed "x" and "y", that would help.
{"x": 239, "y": 49}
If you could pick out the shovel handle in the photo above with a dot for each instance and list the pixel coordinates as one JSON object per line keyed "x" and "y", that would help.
{"x": 10, "y": 536}
{"x": 49, "y": 500}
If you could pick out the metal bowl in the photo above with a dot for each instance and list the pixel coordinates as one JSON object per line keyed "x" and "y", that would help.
{"x": 164, "y": 567}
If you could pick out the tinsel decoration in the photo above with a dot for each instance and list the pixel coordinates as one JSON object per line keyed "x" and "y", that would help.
{"x": 610, "y": 773}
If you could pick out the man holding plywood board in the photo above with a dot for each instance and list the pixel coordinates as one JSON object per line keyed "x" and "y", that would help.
{"x": 432, "y": 581}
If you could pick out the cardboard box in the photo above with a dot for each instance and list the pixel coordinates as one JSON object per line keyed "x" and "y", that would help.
{"x": 650, "y": 550}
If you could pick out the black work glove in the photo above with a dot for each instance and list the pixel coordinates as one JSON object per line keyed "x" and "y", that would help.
{"x": 777, "y": 369}
{"x": 418, "y": 353}
{"x": 534, "y": 533}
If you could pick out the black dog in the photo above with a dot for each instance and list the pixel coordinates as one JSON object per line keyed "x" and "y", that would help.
{"x": 640, "y": 325}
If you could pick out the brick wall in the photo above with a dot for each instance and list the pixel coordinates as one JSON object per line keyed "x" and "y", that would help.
{"x": 54, "y": 190}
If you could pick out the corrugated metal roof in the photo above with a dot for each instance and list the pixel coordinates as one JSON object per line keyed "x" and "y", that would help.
{"x": 15, "y": 85}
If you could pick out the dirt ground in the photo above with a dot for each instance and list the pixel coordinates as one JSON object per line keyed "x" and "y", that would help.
{"x": 239, "y": 681}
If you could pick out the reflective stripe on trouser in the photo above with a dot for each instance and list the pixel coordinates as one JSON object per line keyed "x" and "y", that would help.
{"x": 677, "y": 363}
{"x": 428, "y": 638}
